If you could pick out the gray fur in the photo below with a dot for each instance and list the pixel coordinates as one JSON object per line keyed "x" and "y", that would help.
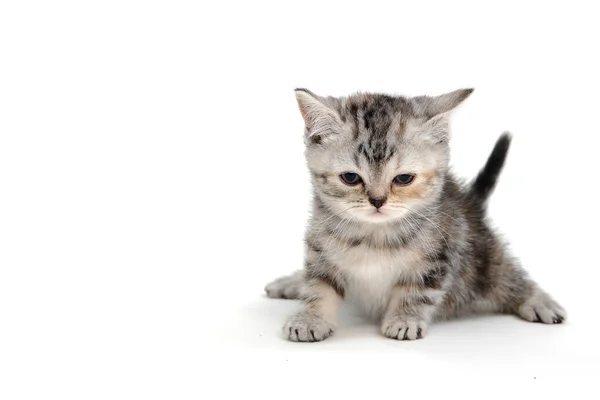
{"x": 428, "y": 252}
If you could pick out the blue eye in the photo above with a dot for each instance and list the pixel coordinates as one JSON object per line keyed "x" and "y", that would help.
{"x": 404, "y": 179}
{"x": 350, "y": 178}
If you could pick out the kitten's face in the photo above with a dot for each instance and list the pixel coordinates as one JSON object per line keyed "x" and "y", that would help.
{"x": 374, "y": 158}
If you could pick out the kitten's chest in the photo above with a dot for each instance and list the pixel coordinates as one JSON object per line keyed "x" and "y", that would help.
{"x": 370, "y": 273}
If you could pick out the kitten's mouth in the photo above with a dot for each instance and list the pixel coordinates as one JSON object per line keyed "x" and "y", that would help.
{"x": 373, "y": 215}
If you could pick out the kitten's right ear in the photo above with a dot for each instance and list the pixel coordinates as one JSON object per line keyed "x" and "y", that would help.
{"x": 320, "y": 119}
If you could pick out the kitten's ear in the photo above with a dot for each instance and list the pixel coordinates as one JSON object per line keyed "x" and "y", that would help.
{"x": 444, "y": 103}
{"x": 320, "y": 118}
{"x": 437, "y": 129}
{"x": 437, "y": 110}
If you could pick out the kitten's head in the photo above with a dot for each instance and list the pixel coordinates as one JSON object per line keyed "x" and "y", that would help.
{"x": 374, "y": 157}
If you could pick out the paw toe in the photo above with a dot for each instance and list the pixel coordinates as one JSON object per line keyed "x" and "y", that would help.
{"x": 404, "y": 330}
{"x": 287, "y": 287}
{"x": 305, "y": 327}
{"x": 542, "y": 309}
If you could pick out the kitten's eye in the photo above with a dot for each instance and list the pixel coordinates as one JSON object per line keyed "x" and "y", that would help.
{"x": 404, "y": 179}
{"x": 350, "y": 178}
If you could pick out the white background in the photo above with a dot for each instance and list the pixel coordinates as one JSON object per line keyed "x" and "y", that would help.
{"x": 152, "y": 181}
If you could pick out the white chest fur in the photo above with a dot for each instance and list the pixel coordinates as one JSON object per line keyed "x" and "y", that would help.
{"x": 371, "y": 273}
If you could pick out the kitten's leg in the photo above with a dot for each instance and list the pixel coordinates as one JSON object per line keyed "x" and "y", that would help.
{"x": 409, "y": 314}
{"x": 515, "y": 292}
{"x": 412, "y": 306}
{"x": 286, "y": 287}
{"x": 318, "y": 319}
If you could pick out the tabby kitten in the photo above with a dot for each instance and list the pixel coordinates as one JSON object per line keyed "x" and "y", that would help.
{"x": 392, "y": 230}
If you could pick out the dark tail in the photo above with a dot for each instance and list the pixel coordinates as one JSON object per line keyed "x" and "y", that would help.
{"x": 486, "y": 180}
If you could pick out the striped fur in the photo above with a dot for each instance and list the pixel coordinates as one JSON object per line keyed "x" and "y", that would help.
{"x": 428, "y": 252}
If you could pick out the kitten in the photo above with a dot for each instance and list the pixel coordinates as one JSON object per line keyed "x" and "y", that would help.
{"x": 392, "y": 230}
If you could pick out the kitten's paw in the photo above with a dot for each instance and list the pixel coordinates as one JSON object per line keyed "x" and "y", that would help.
{"x": 404, "y": 329}
{"x": 286, "y": 287}
{"x": 307, "y": 327}
{"x": 542, "y": 308}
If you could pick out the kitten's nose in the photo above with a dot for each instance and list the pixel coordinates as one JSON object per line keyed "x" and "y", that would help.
{"x": 377, "y": 201}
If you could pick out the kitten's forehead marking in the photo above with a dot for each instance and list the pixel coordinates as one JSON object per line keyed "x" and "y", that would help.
{"x": 377, "y": 122}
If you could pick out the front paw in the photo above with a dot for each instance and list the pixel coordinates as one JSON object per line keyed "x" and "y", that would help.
{"x": 404, "y": 329}
{"x": 307, "y": 327}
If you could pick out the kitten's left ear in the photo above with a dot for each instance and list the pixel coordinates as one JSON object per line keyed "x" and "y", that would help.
{"x": 444, "y": 103}
{"x": 437, "y": 110}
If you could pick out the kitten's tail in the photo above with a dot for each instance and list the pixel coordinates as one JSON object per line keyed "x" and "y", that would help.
{"x": 484, "y": 183}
